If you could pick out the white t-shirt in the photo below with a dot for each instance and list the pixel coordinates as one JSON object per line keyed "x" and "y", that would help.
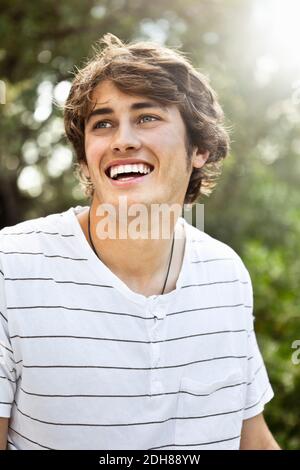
{"x": 89, "y": 364}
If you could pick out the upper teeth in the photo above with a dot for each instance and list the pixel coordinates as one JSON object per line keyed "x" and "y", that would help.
{"x": 128, "y": 168}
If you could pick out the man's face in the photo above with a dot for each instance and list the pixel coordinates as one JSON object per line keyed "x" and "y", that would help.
{"x": 123, "y": 129}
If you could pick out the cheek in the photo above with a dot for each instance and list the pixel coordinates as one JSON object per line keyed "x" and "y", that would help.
{"x": 93, "y": 150}
{"x": 168, "y": 144}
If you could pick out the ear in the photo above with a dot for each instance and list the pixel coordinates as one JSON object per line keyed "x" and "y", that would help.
{"x": 199, "y": 158}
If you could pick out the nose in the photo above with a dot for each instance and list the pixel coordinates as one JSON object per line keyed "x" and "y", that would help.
{"x": 125, "y": 139}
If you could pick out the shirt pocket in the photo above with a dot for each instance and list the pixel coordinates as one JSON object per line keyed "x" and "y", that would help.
{"x": 209, "y": 414}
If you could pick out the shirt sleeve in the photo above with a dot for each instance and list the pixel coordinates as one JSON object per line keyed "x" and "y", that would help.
{"x": 259, "y": 390}
{"x": 7, "y": 363}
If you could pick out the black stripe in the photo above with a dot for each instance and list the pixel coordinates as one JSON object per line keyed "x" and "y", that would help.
{"x": 82, "y": 310}
{"x": 212, "y": 260}
{"x": 125, "y": 424}
{"x": 217, "y": 390}
{"x": 58, "y": 282}
{"x": 2, "y": 346}
{"x": 121, "y": 313}
{"x": 2, "y": 273}
{"x": 129, "y": 368}
{"x": 211, "y": 415}
{"x": 131, "y": 396}
{"x": 27, "y": 439}
{"x": 10, "y": 443}
{"x": 16, "y": 363}
{"x": 205, "y": 308}
{"x": 254, "y": 376}
{"x": 210, "y": 283}
{"x": 42, "y": 254}
{"x": 39, "y": 231}
{"x": 257, "y": 403}
{"x": 6, "y": 378}
{"x": 3, "y": 316}
{"x": 5, "y": 402}
{"x": 125, "y": 340}
{"x": 200, "y": 444}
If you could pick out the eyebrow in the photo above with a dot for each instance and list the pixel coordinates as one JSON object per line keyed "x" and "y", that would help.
{"x": 133, "y": 107}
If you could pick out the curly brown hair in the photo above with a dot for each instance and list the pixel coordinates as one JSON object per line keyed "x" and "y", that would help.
{"x": 164, "y": 75}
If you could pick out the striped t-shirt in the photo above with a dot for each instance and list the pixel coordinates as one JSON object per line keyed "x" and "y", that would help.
{"x": 89, "y": 364}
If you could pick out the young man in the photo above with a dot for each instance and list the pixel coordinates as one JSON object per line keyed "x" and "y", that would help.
{"x": 131, "y": 342}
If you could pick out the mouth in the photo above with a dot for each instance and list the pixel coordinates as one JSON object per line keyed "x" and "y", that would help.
{"x": 129, "y": 172}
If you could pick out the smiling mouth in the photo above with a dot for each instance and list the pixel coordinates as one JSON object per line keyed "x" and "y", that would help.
{"x": 128, "y": 172}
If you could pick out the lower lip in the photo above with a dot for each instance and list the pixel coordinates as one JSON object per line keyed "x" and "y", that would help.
{"x": 130, "y": 182}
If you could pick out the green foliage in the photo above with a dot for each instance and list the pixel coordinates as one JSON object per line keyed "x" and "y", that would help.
{"x": 255, "y": 208}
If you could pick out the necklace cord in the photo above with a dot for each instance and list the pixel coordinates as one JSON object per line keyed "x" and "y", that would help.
{"x": 171, "y": 256}
{"x": 95, "y": 251}
{"x": 90, "y": 235}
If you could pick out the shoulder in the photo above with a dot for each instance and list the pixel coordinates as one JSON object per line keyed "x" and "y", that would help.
{"x": 34, "y": 236}
{"x": 27, "y": 230}
{"x": 217, "y": 265}
{"x": 215, "y": 253}
{"x": 204, "y": 244}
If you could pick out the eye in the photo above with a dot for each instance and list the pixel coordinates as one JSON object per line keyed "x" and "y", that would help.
{"x": 98, "y": 125}
{"x": 107, "y": 124}
{"x": 148, "y": 116}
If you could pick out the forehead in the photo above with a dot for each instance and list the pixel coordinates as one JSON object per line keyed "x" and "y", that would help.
{"x": 107, "y": 94}
{"x": 107, "y": 89}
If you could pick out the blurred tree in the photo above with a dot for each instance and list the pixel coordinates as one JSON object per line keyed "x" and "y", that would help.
{"x": 255, "y": 208}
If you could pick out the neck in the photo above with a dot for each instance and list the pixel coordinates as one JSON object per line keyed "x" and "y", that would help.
{"x": 141, "y": 263}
